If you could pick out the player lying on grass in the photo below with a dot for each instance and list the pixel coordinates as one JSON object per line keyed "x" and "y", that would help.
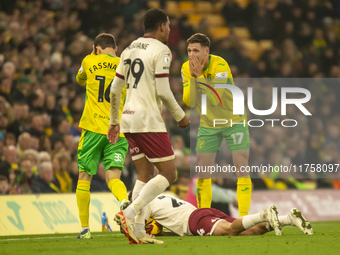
{"x": 183, "y": 218}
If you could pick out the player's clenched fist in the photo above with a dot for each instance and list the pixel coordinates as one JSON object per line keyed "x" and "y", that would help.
{"x": 185, "y": 122}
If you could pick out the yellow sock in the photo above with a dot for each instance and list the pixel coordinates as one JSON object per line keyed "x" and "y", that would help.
{"x": 83, "y": 202}
{"x": 118, "y": 189}
{"x": 204, "y": 193}
{"x": 244, "y": 188}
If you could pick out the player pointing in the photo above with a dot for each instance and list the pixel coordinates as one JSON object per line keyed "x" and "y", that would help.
{"x": 144, "y": 68}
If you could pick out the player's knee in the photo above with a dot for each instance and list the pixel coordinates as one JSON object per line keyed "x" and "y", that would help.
{"x": 170, "y": 176}
{"x": 144, "y": 177}
{"x": 224, "y": 231}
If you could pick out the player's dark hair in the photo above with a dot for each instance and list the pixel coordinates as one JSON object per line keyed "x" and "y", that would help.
{"x": 105, "y": 40}
{"x": 201, "y": 39}
{"x": 4, "y": 178}
{"x": 153, "y": 18}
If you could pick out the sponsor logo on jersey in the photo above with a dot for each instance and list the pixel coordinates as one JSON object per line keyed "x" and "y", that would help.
{"x": 96, "y": 115}
{"x": 129, "y": 112}
{"x": 221, "y": 75}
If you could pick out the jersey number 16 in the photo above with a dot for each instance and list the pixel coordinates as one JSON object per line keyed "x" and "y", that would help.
{"x": 101, "y": 80}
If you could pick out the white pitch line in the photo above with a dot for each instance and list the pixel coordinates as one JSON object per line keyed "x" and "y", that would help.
{"x": 50, "y": 237}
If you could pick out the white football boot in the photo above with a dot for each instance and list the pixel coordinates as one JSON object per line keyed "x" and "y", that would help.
{"x": 271, "y": 216}
{"x": 300, "y": 222}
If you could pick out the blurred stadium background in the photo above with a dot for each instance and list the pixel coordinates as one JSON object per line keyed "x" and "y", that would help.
{"x": 42, "y": 43}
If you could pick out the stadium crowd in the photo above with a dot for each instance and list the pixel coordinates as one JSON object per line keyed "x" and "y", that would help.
{"x": 42, "y": 44}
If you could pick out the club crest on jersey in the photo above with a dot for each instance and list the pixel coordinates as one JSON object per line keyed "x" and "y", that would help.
{"x": 167, "y": 58}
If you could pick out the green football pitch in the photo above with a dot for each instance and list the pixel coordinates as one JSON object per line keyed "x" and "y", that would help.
{"x": 324, "y": 241}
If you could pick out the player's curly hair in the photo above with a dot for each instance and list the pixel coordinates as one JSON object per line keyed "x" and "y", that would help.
{"x": 153, "y": 18}
{"x": 105, "y": 40}
{"x": 200, "y": 38}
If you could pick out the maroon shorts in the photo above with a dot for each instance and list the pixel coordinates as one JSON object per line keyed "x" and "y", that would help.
{"x": 156, "y": 147}
{"x": 202, "y": 221}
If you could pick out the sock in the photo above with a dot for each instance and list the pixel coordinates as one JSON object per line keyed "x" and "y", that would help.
{"x": 82, "y": 229}
{"x": 137, "y": 188}
{"x": 139, "y": 230}
{"x": 118, "y": 189}
{"x": 244, "y": 187}
{"x": 83, "y": 202}
{"x": 285, "y": 220}
{"x": 204, "y": 193}
{"x": 250, "y": 221}
{"x": 151, "y": 189}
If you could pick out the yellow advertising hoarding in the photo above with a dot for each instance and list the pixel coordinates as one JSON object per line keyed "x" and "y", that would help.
{"x": 49, "y": 214}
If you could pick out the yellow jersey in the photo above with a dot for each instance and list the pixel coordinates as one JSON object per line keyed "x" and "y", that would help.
{"x": 219, "y": 107}
{"x": 97, "y": 72}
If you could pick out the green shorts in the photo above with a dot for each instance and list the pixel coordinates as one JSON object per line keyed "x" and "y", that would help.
{"x": 209, "y": 140}
{"x": 94, "y": 147}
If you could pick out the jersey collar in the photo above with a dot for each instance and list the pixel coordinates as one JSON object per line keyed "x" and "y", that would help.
{"x": 208, "y": 64}
{"x": 110, "y": 55}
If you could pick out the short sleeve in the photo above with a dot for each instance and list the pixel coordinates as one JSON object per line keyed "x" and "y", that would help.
{"x": 223, "y": 70}
{"x": 162, "y": 63}
{"x": 81, "y": 75}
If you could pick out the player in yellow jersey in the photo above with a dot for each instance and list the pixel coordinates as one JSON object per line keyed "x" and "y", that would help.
{"x": 203, "y": 66}
{"x": 97, "y": 72}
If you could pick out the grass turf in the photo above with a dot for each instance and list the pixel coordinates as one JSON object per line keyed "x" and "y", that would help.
{"x": 324, "y": 241}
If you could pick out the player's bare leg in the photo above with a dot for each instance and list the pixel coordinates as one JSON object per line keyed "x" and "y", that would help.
{"x": 153, "y": 187}
{"x": 255, "y": 224}
{"x": 244, "y": 185}
{"x": 258, "y": 229}
{"x": 144, "y": 174}
{"x": 236, "y": 228}
{"x": 204, "y": 193}
{"x": 167, "y": 169}
{"x": 223, "y": 228}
